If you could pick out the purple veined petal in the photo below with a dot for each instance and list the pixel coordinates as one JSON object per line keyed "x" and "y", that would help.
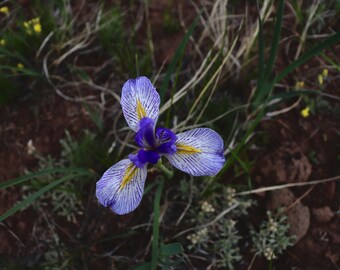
{"x": 199, "y": 152}
{"x": 121, "y": 187}
{"x": 139, "y": 99}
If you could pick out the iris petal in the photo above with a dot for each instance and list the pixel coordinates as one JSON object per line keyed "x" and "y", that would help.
{"x": 139, "y": 99}
{"x": 145, "y": 136}
{"x": 121, "y": 187}
{"x": 199, "y": 152}
{"x": 166, "y": 141}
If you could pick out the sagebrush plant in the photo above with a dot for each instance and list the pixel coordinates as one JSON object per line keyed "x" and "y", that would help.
{"x": 215, "y": 237}
{"x": 272, "y": 237}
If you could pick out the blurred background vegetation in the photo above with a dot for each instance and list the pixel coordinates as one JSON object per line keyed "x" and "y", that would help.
{"x": 264, "y": 74}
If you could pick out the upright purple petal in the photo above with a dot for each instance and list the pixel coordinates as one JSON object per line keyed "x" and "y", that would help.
{"x": 145, "y": 136}
{"x": 199, "y": 152}
{"x": 121, "y": 187}
{"x": 166, "y": 141}
{"x": 139, "y": 99}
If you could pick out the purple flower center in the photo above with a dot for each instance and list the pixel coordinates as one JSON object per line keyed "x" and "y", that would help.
{"x": 153, "y": 143}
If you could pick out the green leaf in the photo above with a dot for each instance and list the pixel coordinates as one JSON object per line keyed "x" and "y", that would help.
{"x": 21, "y": 71}
{"x": 30, "y": 176}
{"x": 264, "y": 86}
{"x": 310, "y": 54}
{"x": 27, "y": 201}
{"x": 276, "y": 38}
{"x": 260, "y": 75}
{"x": 171, "y": 249}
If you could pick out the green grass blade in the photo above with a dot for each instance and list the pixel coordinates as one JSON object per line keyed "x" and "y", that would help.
{"x": 243, "y": 142}
{"x": 178, "y": 56}
{"x": 27, "y": 201}
{"x": 305, "y": 57}
{"x": 155, "y": 228}
{"x": 30, "y": 176}
{"x": 260, "y": 76}
{"x": 276, "y": 38}
{"x": 21, "y": 71}
{"x": 239, "y": 160}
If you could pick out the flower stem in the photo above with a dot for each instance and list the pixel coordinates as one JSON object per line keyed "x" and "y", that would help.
{"x": 167, "y": 172}
{"x": 155, "y": 227}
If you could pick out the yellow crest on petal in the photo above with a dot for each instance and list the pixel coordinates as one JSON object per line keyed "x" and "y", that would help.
{"x": 140, "y": 110}
{"x": 186, "y": 149}
{"x": 129, "y": 174}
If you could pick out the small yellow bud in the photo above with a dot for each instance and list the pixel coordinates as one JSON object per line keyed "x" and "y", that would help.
{"x": 305, "y": 112}
{"x": 299, "y": 85}
{"x": 37, "y": 28}
{"x": 325, "y": 73}
{"x": 35, "y": 20}
{"x": 20, "y": 66}
{"x": 320, "y": 79}
{"x": 2, "y": 42}
{"x": 4, "y": 10}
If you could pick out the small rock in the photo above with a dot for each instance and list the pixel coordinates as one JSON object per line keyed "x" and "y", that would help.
{"x": 323, "y": 214}
{"x": 298, "y": 216}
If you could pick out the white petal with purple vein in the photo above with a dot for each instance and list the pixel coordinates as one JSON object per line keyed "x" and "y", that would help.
{"x": 199, "y": 152}
{"x": 139, "y": 99}
{"x": 121, "y": 187}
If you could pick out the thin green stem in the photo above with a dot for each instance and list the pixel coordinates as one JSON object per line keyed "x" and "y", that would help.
{"x": 167, "y": 172}
{"x": 155, "y": 229}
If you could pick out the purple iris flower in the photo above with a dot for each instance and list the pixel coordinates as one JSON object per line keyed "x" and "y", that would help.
{"x": 198, "y": 152}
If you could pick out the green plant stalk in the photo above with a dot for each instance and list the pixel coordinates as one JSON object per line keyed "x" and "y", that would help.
{"x": 276, "y": 39}
{"x": 167, "y": 172}
{"x": 263, "y": 79}
{"x": 155, "y": 228}
{"x": 308, "y": 55}
{"x": 24, "y": 203}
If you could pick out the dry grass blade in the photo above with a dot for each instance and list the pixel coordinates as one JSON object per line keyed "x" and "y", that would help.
{"x": 265, "y": 189}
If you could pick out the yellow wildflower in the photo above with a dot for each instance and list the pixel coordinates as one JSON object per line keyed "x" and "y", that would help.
{"x": 33, "y": 25}
{"x": 305, "y": 112}
{"x": 4, "y": 10}
{"x": 2, "y": 42}
{"x": 20, "y": 66}
{"x": 320, "y": 79}
{"x": 325, "y": 73}
{"x": 299, "y": 85}
{"x": 37, "y": 28}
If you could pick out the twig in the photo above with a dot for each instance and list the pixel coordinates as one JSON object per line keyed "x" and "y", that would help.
{"x": 265, "y": 189}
